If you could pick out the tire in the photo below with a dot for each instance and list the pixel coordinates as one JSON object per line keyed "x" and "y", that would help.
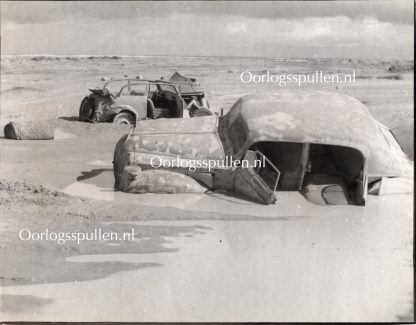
{"x": 124, "y": 118}
{"x": 202, "y": 112}
{"x": 86, "y": 110}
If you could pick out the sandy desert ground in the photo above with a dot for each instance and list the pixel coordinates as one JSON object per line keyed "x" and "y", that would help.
{"x": 202, "y": 257}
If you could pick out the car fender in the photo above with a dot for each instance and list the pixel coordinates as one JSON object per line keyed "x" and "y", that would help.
{"x": 116, "y": 109}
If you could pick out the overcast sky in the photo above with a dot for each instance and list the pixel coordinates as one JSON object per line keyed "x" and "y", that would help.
{"x": 358, "y": 29}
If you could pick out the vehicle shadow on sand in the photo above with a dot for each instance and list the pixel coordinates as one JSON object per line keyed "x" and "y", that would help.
{"x": 70, "y": 118}
{"x": 92, "y": 173}
{"x": 103, "y": 178}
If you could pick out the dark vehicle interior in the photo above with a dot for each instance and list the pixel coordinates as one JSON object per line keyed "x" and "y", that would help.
{"x": 164, "y": 102}
{"x": 324, "y": 174}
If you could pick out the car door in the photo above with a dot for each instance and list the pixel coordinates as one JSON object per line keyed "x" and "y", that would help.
{"x": 258, "y": 181}
{"x": 133, "y": 96}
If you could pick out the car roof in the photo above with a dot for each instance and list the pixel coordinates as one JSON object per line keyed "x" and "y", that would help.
{"x": 317, "y": 117}
{"x": 140, "y": 81}
{"x": 314, "y": 117}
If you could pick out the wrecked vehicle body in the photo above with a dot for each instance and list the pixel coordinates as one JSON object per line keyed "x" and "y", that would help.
{"x": 326, "y": 146}
{"x": 127, "y": 101}
{"x": 193, "y": 97}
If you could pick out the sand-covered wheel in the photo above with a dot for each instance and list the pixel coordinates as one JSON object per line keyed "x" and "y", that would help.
{"x": 124, "y": 118}
{"x": 86, "y": 109}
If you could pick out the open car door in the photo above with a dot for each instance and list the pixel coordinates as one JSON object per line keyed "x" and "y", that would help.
{"x": 259, "y": 180}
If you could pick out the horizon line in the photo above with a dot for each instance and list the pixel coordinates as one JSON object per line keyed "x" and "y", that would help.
{"x": 199, "y": 56}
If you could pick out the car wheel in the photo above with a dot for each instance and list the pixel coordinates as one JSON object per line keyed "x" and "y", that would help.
{"x": 202, "y": 112}
{"x": 86, "y": 109}
{"x": 124, "y": 118}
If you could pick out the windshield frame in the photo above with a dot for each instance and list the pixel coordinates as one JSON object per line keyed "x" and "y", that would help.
{"x": 140, "y": 81}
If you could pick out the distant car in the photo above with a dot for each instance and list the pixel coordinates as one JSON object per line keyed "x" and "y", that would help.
{"x": 326, "y": 146}
{"x": 127, "y": 101}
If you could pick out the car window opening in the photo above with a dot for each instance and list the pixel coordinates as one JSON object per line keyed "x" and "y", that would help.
{"x": 164, "y": 102}
{"x": 324, "y": 174}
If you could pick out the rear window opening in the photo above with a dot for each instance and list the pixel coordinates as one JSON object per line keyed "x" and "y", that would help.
{"x": 324, "y": 174}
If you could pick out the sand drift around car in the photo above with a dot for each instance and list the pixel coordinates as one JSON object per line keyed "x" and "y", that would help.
{"x": 325, "y": 145}
{"x": 126, "y": 101}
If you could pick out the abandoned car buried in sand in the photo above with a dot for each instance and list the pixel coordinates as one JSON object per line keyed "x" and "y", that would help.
{"x": 325, "y": 145}
{"x": 125, "y": 101}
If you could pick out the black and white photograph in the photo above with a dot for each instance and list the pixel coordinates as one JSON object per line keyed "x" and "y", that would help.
{"x": 207, "y": 161}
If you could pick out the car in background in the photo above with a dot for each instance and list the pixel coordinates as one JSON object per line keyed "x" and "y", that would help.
{"x": 127, "y": 101}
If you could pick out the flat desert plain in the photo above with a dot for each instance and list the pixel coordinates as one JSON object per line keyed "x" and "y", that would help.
{"x": 194, "y": 257}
